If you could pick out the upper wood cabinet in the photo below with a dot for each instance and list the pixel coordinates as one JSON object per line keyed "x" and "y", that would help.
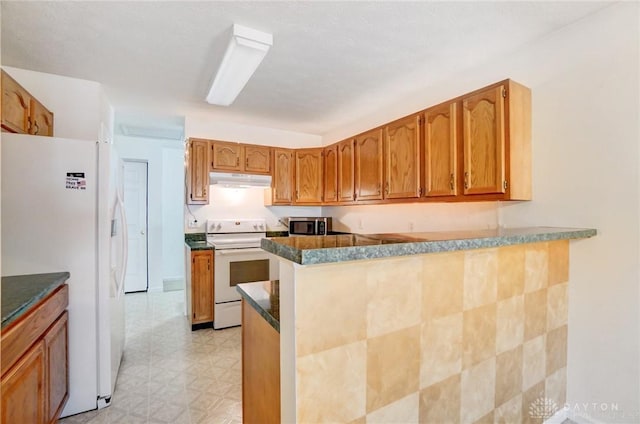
{"x": 497, "y": 141}
{"x": 41, "y": 119}
{"x": 368, "y": 165}
{"x": 21, "y": 112}
{"x": 440, "y": 147}
{"x": 229, "y": 157}
{"x": 402, "y": 158}
{"x": 198, "y": 172}
{"x": 226, "y": 156}
{"x": 331, "y": 174}
{"x": 308, "y": 176}
{"x": 282, "y": 180}
{"x": 257, "y": 159}
{"x": 346, "y": 171}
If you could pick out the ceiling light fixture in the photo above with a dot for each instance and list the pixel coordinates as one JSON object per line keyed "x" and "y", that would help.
{"x": 246, "y": 50}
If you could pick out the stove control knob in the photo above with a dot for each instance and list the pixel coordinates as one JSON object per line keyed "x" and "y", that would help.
{"x": 262, "y": 227}
{"x": 218, "y": 227}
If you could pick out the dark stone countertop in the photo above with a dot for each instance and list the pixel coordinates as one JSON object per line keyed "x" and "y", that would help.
{"x": 264, "y": 297}
{"x": 350, "y": 247}
{"x": 197, "y": 241}
{"x": 21, "y": 292}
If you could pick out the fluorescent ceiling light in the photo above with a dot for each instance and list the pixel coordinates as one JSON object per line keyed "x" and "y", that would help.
{"x": 246, "y": 50}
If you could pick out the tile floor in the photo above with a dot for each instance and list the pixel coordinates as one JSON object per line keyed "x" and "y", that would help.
{"x": 170, "y": 374}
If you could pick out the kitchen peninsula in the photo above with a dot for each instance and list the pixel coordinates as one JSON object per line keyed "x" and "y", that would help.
{"x": 464, "y": 326}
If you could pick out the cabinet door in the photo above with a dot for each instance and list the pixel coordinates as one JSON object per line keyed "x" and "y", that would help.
{"x": 226, "y": 156}
{"x": 346, "y": 171}
{"x": 484, "y": 140}
{"x": 368, "y": 169}
{"x": 15, "y": 106}
{"x": 308, "y": 176}
{"x": 41, "y": 119}
{"x": 57, "y": 360}
{"x": 440, "y": 144}
{"x": 23, "y": 389}
{"x": 257, "y": 159}
{"x": 402, "y": 158}
{"x": 198, "y": 172}
{"x": 202, "y": 286}
{"x": 282, "y": 177}
{"x": 331, "y": 174}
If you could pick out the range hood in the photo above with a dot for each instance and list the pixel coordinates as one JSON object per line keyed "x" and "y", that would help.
{"x": 239, "y": 180}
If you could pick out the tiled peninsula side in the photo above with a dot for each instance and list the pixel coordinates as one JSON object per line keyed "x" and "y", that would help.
{"x": 459, "y": 327}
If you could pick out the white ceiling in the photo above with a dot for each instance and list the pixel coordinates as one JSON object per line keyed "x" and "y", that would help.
{"x": 327, "y": 61}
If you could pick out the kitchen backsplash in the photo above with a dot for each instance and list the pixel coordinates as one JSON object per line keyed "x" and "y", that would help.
{"x": 230, "y": 203}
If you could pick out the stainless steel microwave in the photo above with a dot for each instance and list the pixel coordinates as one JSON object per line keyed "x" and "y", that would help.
{"x": 308, "y": 226}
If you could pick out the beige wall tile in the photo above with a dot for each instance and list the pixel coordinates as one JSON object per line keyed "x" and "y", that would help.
{"x": 532, "y": 405}
{"x": 393, "y": 367}
{"x": 558, "y": 262}
{"x": 533, "y": 362}
{"x": 440, "y": 403}
{"x": 509, "y": 323}
{"x": 535, "y": 314}
{"x": 556, "y": 349}
{"x": 480, "y": 278}
{"x": 510, "y": 271}
{"x": 402, "y": 411}
{"x": 536, "y": 269}
{"x": 487, "y": 419}
{"x": 441, "y": 349}
{"x": 508, "y": 375}
{"x": 477, "y": 396}
{"x": 322, "y": 287}
{"x": 331, "y": 385}
{"x": 509, "y": 412}
{"x": 478, "y": 335}
{"x": 557, "y": 306}
{"x": 443, "y": 275}
{"x": 555, "y": 387}
{"x": 394, "y": 295}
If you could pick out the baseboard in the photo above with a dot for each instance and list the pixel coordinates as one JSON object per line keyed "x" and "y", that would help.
{"x": 173, "y": 284}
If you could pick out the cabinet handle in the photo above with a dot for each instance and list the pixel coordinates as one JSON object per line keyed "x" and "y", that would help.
{"x": 237, "y": 161}
{"x": 451, "y": 182}
{"x": 29, "y": 124}
{"x": 204, "y": 191}
{"x": 246, "y": 163}
{"x": 386, "y": 188}
{"x": 466, "y": 180}
{"x": 379, "y": 187}
{"x": 35, "y": 124}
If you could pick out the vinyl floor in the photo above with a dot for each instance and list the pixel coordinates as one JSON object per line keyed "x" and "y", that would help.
{"x": 170, "y": 374}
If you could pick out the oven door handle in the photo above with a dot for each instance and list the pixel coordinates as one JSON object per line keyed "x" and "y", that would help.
{"x": 240, "y": 251}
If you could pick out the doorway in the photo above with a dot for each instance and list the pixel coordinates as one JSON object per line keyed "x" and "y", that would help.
{"x": 136, "y": 208}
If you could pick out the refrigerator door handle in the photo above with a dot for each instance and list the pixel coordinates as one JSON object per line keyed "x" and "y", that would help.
{"x": 125, "y": 243}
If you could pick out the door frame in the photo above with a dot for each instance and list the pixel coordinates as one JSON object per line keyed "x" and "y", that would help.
{"x": 146, "y": 217}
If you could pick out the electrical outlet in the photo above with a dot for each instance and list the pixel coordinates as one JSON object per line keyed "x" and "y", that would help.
{"x": 193, "y": 223}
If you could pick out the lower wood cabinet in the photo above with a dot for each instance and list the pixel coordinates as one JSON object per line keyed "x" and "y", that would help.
{"x": 35, "y": 363}
{"x": 200, "y": 288}
{"x": 23, "y": 388}
{"x": 260, "y": 369}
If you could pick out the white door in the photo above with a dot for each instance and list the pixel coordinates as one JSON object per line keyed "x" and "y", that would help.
{"x": 135, "y": 204}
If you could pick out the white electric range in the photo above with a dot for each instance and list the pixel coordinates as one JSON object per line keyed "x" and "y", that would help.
{"x": 238, "y": 259}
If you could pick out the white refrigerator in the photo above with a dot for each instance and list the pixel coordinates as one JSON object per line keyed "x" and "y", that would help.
{"x": 62, "y": 210}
